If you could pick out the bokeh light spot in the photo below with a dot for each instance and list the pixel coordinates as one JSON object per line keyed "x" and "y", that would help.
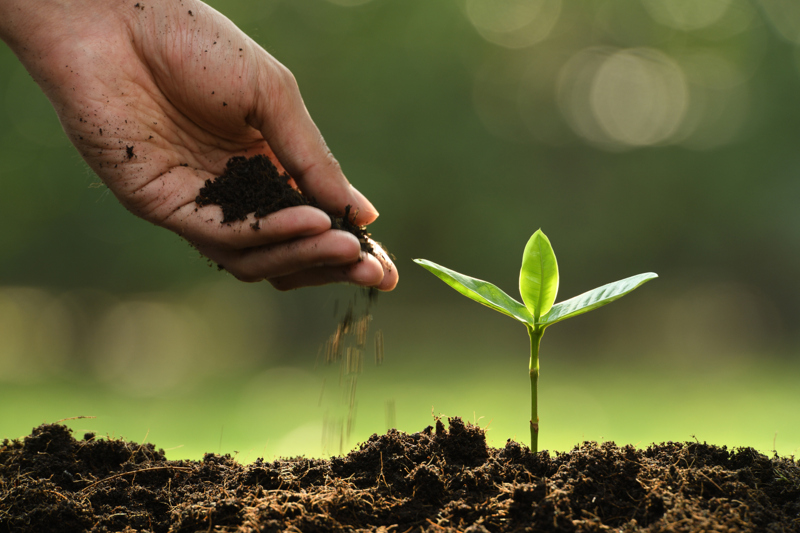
{"x": 634, "y": 97}
{"x": 740, "y": 17}
{"x": 784, "y": 15}
{"x": 514, "y": 23}
{"x": 144, "y": 347}
{"x": 573, "y": 90}
{"x": 639, "y": 97}
{"x": 619, "y": 99}
{"x": 36, "y": 334}
{"x": 687, "y": 14}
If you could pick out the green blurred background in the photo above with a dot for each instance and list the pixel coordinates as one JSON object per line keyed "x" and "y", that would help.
{"x": 641, "y": 135}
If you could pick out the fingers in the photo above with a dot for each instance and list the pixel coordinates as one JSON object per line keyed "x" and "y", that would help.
{"x": 283, "y": 120}
{"x": 332, "y": 257}
{"x": 367, "y": 272}
{"x": 202, "y": 227}
{"x": 332, "y": 248}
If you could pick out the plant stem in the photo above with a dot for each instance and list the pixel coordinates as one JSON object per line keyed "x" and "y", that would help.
{"x": 533, "y": 371}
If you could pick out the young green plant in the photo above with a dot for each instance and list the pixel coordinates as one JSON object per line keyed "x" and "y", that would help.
{"x": 538, "y": 285}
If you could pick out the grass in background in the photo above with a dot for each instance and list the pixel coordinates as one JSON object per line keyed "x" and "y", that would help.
{"x": 281, "y": 411}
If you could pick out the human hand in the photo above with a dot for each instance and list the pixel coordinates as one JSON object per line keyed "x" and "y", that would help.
{"x": 158, "y": 95}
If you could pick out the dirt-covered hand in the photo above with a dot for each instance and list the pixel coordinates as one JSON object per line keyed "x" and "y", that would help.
{"x": 157, "y": 95}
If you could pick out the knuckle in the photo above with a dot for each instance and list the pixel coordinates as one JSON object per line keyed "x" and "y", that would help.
{"x": 282, "y": 83}
{"x": 285, "y": 77}
{"x": 246, "y": 277}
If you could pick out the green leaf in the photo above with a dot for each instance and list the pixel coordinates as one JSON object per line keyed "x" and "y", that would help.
{"x": 593, "y": 299}
{"x": 538, "y": 277}
{"x": 481, "y": 291}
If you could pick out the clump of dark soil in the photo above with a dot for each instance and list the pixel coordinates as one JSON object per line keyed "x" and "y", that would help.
{"x": 254, "y": 185}
{"x": 436, "y": 480}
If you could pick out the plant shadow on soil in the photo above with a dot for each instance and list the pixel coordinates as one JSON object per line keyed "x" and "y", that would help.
{"x": 440, "y": 479}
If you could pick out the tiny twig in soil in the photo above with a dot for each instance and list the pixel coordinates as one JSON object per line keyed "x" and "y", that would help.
{"x": 142, "y": 444}
{"x": 151, "y": 469}
{"x": 711, "y": 481}
{"x": 57, "y": 494}
{"x": 74, "y": 418}
{"x": 381, "y": 476}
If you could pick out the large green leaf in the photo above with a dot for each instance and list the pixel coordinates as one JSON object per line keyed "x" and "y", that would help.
{"x": 538, "y": 277}
{"x": 594, "y": 299}
{"x": 481, "y": 291}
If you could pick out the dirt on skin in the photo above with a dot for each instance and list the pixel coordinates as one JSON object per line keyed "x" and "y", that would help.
{"x": 437, "y": 480}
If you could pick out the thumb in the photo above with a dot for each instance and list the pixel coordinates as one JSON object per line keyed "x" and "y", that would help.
{"x": 283, "y": 120}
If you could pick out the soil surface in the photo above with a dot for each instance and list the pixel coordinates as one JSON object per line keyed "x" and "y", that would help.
{"x": 436, "y": 480}
{"x": 254, "y": 185}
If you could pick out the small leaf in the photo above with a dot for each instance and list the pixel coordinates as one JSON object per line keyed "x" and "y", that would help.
{"x": 593, "y": 299}
{"x": 538, "y": 277}
{"x": 481, "y": 291}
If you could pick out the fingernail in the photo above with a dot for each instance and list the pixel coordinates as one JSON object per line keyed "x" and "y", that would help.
{"x": 365, "y": 207}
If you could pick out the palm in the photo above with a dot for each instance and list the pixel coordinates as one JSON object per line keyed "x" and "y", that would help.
{"x": 168, "y": 116}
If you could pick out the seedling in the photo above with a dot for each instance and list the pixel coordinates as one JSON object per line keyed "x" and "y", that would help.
{"x": 538, "y": 285}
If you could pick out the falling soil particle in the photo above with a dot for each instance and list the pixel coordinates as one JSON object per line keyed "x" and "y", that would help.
{"x": 254, "y": 185}
{"x": 347, "y": 346}
{"x": 437, "y": 480}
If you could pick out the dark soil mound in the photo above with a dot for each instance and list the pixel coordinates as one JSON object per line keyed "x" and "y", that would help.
{"x": 254, "y": 185}
{"x": 436, "y": 480}
{"x": 250, "y": 186}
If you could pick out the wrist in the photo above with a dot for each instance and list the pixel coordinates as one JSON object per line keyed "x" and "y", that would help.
{"x": 21, "y": 21}
{"x": 31, "y": 27}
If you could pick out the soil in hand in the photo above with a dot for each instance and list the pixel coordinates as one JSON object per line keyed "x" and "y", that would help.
{"x": 254, "y": 185}
{"x": 441, "y": 479}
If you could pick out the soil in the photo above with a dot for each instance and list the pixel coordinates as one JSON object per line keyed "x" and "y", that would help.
{"x": 436, "y": 480}
{"x": 254, "y": 185}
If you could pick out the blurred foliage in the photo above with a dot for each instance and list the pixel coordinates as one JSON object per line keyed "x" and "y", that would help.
{"x": 641, "y": 135}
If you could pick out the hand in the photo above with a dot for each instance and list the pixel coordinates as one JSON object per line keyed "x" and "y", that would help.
{"x": 157, "y": 96}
